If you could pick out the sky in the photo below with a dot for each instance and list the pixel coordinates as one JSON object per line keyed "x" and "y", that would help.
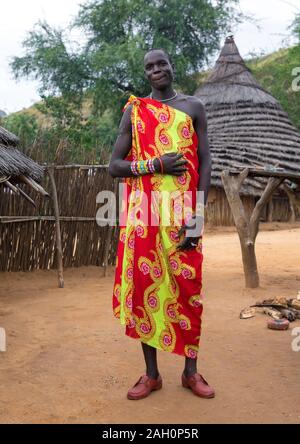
{"x": 18, "y": 17}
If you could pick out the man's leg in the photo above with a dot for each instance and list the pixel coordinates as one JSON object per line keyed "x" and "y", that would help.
{"x": 150, "y": 355}
{"x": 190, "y": 367}
{"x": 193, "y": 380}
{"x": 149, "y": 382}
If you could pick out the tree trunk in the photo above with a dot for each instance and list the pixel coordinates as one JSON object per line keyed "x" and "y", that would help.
{"x": 249, "y": 263}
{"x": 247, "y": 227}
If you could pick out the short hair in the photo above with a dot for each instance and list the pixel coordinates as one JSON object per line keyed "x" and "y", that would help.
{"x": 159, "y": 49}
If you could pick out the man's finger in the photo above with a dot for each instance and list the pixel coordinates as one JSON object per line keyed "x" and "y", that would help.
{"x": 181, "y": 231}
{"x": 183, "y": 245}
{"x": 179, "y": 170}
{"x": 181, "y": 162}
{"x": 187, "y": 244}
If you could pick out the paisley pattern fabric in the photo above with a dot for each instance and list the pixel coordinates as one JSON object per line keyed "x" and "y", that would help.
{"x": 157, "y": 289}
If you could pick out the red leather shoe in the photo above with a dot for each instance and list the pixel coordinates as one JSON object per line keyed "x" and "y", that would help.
{"x": 144, "y": 387}
{"x": 198, "y": 385}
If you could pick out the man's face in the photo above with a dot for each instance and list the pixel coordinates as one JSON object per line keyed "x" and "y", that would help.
{"x": 158, "y": 70}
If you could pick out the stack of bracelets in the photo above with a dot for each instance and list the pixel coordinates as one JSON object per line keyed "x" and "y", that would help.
{"x": 144, "y": 166}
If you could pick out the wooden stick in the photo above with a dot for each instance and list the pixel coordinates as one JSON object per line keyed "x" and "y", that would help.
{"x": 81, "y": 167}
{"x": 4, "y": 178}
{"x": 33, "y": 184}
{"x": 11, "y": 187}
{"x": 8, "y": 219}
{"x": 26, "y": 197}
{"x": 18, "y": 190}
{"x": 58, "y": 232}
{"x": 272, "y": 184}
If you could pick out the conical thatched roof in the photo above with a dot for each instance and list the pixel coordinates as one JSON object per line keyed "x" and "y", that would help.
{"x": 13, "y": 163}
{"x": 246, "y": 124}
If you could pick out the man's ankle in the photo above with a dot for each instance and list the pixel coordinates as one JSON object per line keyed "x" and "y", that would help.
{"x": 153, "y": 374}
{"x": 189, "y": 373}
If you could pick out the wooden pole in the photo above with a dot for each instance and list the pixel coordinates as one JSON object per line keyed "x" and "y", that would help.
{"x": 247, "y": 228}
{"x": 12, "y": 187}
{"x": 37, "y": 187}
{"x": 58, "y": 232}
{"x": 12, "y": 219}
{"x": 75, "y": 166}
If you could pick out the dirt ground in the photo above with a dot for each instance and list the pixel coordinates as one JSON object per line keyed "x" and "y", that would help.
{"x": 68, "y": 360}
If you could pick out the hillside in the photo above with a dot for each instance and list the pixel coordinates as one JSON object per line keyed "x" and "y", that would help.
{"x": 275, "y": 74}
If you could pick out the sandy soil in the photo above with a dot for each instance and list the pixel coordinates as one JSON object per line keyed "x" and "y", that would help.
{"x": 68, "y": 360}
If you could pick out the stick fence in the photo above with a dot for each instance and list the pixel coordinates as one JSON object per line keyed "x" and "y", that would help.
{"x": 61, "y": 231}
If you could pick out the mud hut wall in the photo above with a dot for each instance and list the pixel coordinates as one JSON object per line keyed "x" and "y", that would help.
{"x": 281, "y": 209}
{"x": 218, "y": 210}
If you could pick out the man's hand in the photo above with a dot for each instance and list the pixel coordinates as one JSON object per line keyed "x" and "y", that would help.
{"x": 172, "y": 164}
{"x": 193, "y": 232}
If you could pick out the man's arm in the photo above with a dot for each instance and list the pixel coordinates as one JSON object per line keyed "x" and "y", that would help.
{"x": 204, "y": 156}
{"x": 118, "y": 167}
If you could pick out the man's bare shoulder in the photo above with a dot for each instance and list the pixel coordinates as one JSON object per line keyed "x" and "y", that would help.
{"x": 194, "y": 102}
{"x": 125, "y": 123}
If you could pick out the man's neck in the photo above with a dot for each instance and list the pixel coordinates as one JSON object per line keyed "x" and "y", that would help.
{"x": 164, "y": 94}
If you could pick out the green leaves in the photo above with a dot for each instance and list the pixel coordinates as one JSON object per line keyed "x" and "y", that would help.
{"x": 25, "y": 126}
{"x": 117, "y": 34}
{"x": 108, "y": 66}
{"x": 295, "y": 27}
{"x": 276, "y": 73}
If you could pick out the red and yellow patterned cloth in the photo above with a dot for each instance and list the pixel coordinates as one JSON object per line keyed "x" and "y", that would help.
{"x": 157, "y": 290}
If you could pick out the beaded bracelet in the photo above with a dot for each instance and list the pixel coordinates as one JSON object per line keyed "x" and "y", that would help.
{"x": 142, "y": 167}
{"x": 152, "y": 167}
{"x": 133, "y": 167}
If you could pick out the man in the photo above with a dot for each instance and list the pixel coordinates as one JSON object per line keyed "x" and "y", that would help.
{"x": 162, "y": 146}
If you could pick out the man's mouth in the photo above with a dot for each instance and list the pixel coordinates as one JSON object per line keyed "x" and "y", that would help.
{"x": 156, "y": 79}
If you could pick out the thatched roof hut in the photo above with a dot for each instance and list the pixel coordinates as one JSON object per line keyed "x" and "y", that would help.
{"x": 16, "y": 167}
{"x": 13, "y": 163}
{"x": 246, "y": 124}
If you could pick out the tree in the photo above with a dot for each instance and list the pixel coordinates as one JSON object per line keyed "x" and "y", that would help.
{"x": 108, "y": 66}
{"x": 25, "y": 126}
{"x": 295, "y": 27}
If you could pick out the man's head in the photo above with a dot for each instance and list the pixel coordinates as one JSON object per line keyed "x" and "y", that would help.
{"x": 158, "y": 68}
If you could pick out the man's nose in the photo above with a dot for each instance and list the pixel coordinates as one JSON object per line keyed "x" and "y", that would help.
{"x": 156, "y": 69}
